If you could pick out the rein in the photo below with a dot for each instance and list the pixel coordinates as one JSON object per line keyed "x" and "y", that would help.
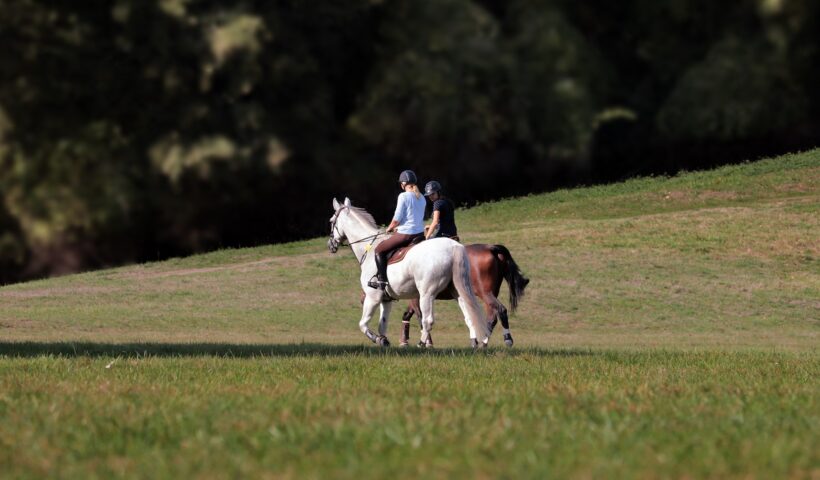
{"x": 367, "y": 248}
{"x": 371, "y": 237}
{"x": 348, "y": 244}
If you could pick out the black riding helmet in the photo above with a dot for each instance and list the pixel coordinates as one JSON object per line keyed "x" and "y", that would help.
{"x": 408, "y": 176}
{"x": 431, "y": 188}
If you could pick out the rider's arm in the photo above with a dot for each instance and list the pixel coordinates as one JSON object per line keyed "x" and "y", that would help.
{"x": 432, "y": 228}
{"x": 400, "y": 214}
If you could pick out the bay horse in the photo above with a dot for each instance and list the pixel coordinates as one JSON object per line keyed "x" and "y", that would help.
{"x": 489, "y": 266}
{"x": 426, "y": 271}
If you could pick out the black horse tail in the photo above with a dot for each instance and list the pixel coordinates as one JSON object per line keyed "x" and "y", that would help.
{"x": 512, "y": 273}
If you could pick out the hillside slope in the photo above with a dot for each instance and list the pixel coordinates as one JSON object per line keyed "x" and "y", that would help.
{"x": 727, "y": 258}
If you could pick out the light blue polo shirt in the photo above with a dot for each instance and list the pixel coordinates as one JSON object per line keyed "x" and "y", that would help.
{"x": 410, "y": 213}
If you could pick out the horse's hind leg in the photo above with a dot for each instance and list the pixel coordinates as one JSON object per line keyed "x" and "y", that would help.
{"x": 505, "y": 323}
{"x": 498, "y": 311}
{"x": 493, "y": 308}
{"x": 473, "y": 340}
{"x": 427, "y": 320}
{"x": 413, "y": 308}
{"x": 420, "y": 316}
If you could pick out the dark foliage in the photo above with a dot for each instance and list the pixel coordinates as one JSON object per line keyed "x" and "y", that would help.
{"x": 136, "y": 130}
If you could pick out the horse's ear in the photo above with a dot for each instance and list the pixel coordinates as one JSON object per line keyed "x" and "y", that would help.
{"x": 335, "y": 204}
{"x": 347, "y": 202}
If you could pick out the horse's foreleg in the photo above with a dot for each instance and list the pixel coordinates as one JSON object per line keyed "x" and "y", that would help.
{"x": 405, "y": 321}
{"x": 386, "y": 307}
{"x": 368, "y": 308}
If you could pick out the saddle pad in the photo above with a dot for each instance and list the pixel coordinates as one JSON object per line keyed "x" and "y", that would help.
{"x": 398, "y": 254}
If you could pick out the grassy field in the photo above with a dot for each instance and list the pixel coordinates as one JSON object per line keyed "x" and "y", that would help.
{"x": 670, "y": 330}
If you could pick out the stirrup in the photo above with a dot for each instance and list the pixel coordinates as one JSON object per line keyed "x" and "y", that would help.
{"x": 380, "y": 285}
{"x": 377, "y": 284}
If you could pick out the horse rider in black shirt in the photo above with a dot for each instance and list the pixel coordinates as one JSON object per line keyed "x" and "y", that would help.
{"x": 444, "y": 221}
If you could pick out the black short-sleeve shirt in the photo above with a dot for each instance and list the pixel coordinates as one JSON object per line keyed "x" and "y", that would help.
{"x": 446, "y": 217}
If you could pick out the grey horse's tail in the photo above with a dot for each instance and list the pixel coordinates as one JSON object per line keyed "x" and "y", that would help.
{"x": 512, "y": 273}
{"x": 461, "y": 280}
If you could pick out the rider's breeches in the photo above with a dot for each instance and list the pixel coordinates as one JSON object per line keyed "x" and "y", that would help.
{"x": 393, "y": 242}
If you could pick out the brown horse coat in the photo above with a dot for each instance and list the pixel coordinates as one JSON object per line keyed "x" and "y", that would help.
{"x": 489, "y": 266}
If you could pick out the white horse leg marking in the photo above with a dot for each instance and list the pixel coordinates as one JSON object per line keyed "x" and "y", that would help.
{"x": 385, "y": 313}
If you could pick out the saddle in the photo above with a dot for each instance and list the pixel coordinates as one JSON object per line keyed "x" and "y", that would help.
{"x": 397, "y": 255}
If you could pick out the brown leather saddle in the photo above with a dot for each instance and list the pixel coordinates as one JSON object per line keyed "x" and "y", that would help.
{"x": 398, "y": 254}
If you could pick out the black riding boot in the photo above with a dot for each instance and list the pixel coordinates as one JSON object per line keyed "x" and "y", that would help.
{"x": 381, "y": 271}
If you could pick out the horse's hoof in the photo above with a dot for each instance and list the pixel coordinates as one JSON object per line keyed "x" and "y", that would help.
{"x": 403, "y": 344}
{"x": 508, "y": 340}
{"x": 382, "y": 341}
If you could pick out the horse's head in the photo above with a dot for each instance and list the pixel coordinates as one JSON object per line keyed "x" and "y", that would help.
{"x": 337, "y": 233}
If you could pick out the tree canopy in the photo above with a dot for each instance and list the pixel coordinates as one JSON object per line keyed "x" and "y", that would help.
{"x": 133, "y": 130}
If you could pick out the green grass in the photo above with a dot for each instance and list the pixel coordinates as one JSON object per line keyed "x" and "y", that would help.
{"x": 319, "y": 411}
{"x": 670, "y": 330}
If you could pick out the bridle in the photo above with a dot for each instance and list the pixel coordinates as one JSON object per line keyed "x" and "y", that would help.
{"x": 333, "y": 244}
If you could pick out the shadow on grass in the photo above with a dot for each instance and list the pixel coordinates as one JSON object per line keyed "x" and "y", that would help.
{"x": 228, "y": 350}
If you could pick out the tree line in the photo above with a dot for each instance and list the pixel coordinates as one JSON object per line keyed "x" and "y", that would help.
{"x": 134, "y": 130}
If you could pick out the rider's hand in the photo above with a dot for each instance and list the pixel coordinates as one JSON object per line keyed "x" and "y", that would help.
{"x": 391, "y": 227}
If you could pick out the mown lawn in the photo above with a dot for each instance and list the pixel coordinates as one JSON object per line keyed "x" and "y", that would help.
{"x": 670, "y": 330}
{"x": 343, "y": 412}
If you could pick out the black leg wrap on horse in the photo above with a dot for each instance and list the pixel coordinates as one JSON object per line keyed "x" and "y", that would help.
{"x": 505, "y": 321}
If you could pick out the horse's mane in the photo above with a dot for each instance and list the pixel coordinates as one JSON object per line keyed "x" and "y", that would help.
{"x": 364, "y": 216}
